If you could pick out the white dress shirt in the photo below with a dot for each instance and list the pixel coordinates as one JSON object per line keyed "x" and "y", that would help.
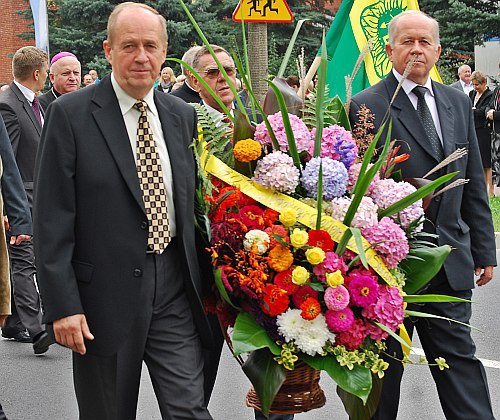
{"x": 430, "y": 99}
{"x": 131, "y": 119}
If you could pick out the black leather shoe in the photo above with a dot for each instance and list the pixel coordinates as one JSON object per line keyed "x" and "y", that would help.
{"x": 20, "y": 336}
{"x": 42, "y": 342}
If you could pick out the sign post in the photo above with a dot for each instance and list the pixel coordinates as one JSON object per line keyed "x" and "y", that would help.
{"x": 258, "y": 13}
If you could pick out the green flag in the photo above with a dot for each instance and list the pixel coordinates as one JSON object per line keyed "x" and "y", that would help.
{"x": 356, "y": 22}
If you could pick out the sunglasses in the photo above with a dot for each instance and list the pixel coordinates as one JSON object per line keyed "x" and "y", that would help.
{"x": 213, "y": 72}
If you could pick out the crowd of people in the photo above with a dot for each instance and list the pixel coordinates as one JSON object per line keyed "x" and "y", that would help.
{"x": 109, "y": 263}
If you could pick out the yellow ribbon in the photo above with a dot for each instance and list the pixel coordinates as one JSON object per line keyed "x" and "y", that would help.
{"x": 305, "y": 214}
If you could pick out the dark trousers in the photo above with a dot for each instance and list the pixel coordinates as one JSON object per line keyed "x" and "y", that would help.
{"x": 26, "y": 308}
{"x": 165, "y": 338}
{"x": 2, "y": 414}
{"x": 463, "y": 388}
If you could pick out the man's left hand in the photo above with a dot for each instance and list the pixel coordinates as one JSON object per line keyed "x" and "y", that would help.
{"x": 16, "y": 240}
{"x": 485, "y": 274}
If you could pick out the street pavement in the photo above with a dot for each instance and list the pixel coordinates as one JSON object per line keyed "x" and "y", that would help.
{"x": 40, "y": 388}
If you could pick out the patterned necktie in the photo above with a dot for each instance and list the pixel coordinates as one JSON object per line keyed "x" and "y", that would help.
{"x": 425, "y": 116}
{"x": 36, "y": 110}
{"x": 152, "y": 184}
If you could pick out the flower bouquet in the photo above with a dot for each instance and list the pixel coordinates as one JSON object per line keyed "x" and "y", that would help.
{"x": 313, "y": 247}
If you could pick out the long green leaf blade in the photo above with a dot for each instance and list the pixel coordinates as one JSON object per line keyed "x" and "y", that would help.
{"x": 289, "y": 49}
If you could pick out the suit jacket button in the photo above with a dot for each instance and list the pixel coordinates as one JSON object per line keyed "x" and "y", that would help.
{"x": 137, "y": 272}
{"x": 144, "y": 225}
{"x": 437, "y": 199}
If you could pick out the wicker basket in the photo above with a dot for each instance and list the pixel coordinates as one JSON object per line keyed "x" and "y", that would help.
{"x": 299, "y": 393}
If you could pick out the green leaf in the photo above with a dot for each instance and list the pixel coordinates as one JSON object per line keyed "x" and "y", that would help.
{"x": 355, "y": 408}
{"x": 357, "y": 381}
{"x": 289, "y": 49}
{"x": 320, "y": 93}
{"x": 396, "y": 337}
{"x": 356, "y": 233}
{"x": 416, "y": 195}
{"x": 432, "y": 298}
{"x": 266, "y": 376}
{"x": 249, "y": 336}
{"x": 426, "y": 315}
{"x": 220, "y": 287}
{"x": 317, "y": 286}
{"x": 319, "y": 205}
{"x": 423, "y": 267}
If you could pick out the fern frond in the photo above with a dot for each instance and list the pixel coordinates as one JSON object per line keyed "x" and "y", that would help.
{"x": 330, "y": 110}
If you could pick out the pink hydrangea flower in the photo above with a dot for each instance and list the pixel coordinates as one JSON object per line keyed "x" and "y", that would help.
{"x": 339, "y": 321}
{"x": 300, "y": 132}
{"x": 389, "y": 241}
{"x": 388, "y": 310}
{"x": 336, "y": 298}
{"x": 387, "y": 192}
{"x": 363, "y": 290}
{"x": 354, "y": 337}
{"x": 277, "y": 172}
{"x": 330, "y": 264}
{"x": 354, "y": 175}
{"x": 366, "y": 214}
{"x": 336, "y": 143}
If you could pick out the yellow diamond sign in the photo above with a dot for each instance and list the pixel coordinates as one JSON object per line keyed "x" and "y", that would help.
{"x": 262, "y": 11}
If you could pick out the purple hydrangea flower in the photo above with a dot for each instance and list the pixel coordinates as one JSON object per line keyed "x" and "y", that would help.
{"x": 336, "y": 143}
{"x": 334, "y": 178}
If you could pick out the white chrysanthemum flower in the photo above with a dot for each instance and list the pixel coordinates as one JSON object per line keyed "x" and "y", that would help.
{"x": 290, "y": 324}
{"x": 315, "y": 336}
{"x": 259, "y": 238}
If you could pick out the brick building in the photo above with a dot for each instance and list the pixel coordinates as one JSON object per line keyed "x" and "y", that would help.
{"x": 12, "y": 25}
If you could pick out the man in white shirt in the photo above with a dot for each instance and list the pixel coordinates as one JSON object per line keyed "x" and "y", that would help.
{"x": 463, "y": 83}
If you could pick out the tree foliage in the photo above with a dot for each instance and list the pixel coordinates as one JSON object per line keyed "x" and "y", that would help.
{"x": 462, "y": 24}
{"x": 79, "y": 26}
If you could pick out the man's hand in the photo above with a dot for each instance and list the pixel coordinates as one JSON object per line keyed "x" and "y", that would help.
{"x": 6, "y": 224}
{"x": 16, "y": 240}
{"x": 485, "y": 274}
{"x": 2, "y": 320}
{"x": 71, "y": 331}
{"x": 489, "y": 115}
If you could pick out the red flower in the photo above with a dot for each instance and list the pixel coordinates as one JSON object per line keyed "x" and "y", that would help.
{"x": 252, "y": 217}
{"x": 284, "y": 281}
{"x": 310, "y": 309}
{"x": 270, "y": 217}
{"x": 275, "y": 300}
{"x": 302, "y": 294}
{"x": 278, "y": 230}
{"x": 321, "y": 239}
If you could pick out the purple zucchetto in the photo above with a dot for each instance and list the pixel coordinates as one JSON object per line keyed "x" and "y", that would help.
{"x": 60, "y": 55}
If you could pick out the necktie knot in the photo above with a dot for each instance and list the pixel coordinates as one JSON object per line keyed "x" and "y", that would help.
{"x": 140, "y": 106}
{"x": 420, "y": 91}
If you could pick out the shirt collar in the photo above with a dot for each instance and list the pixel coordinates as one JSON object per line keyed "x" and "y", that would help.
{"x": 408, "y": 84}
{"x": 27, "y": 92}
{"x": 216, "y": 113}
{"x": 126, "y": 102}
{"x": 465, "y": 84}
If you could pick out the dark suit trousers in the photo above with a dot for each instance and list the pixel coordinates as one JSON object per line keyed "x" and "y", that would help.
{"x": 165, "y": 338}
{"x": 463, "y": 388}
{"x": 26, "y": 311}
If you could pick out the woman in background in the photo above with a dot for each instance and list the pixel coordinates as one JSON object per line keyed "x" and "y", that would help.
{"x": 480, "y": 98}
{"x": 167, "y": 80}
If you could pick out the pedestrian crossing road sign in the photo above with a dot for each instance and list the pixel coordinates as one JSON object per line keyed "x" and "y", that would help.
{"x": 262, "y": 11}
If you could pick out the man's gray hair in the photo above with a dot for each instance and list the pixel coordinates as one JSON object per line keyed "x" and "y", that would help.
{"x": 188, "y": 58}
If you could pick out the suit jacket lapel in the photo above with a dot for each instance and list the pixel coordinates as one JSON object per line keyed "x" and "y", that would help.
{"x": 110, "y": 121}
{"x": 27, "y": 107}
{"x": 401, "y": 108}
{"x": 446, "y": 118}
{"x": 176, "y": 147}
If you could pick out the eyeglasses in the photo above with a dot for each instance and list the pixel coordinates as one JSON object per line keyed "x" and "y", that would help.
{"x": 213, "y": 72}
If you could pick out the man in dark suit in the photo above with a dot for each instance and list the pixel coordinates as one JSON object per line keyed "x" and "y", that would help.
{"x": 187, "y": 92}
{"x": 117, "y": 285}
{"x": 23, "y": 119}
{"x": 464, "y": 83}
{"x": 460, "y": 217}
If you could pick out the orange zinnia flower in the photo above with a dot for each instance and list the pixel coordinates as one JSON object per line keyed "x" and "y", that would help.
{"x": 280, "y": 258}
{"x": 310, "y": 309}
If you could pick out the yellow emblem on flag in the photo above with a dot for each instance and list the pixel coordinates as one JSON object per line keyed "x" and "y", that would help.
{"x": 370, "y": 20}
{"x": 262, "y": 11}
